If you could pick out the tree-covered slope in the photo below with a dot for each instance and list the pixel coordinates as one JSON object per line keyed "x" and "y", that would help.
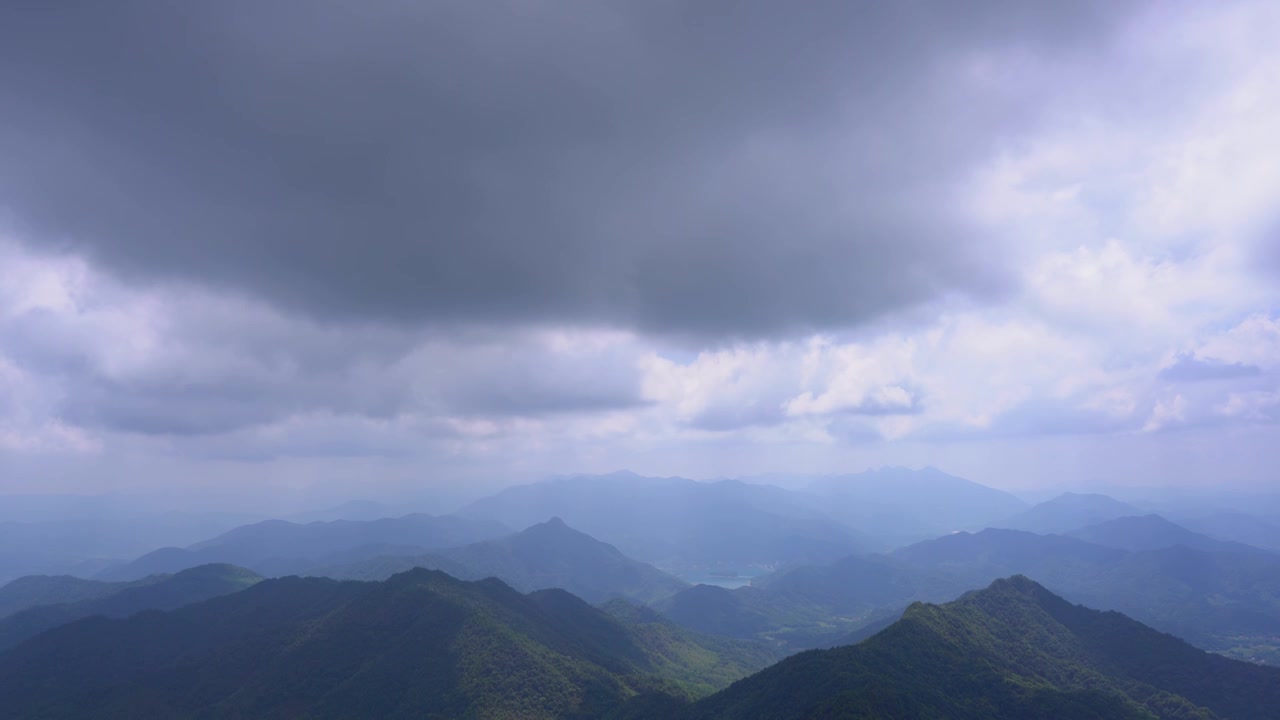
{"x": 1015, "y": 651}
{"x": 421, "y": 644}
{"x": 162, "y": 592}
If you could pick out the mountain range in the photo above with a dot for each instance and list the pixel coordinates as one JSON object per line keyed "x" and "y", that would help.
{"x": 546, "y": 555}
{"x": 889, "y": 503}
{"x": 1153, "y": 532}
{"x": 1215, "y": 599}
{"x": 679, "y": 523}
{"x": 1067, "y": 512}
{"x": 424, "y": 644}
{"x": 165, "y": 592}
{"x": 278, "y": 547}
{"x": 421, "y": 644}
{"x": 1012, "y": 651}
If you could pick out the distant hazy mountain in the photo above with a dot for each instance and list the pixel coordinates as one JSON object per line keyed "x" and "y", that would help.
{"x": 279, "y": 547}
{"x": 900, "y": 505}
{"x": 1152, "y": 532}
{"x": 160, "y": 593}
{"x": 1067, "y": 512}
{"x": 73, "y": 537}
{"x": 421, "y": 644}
{"x": 546, "y": 555}
{"x": 1237, "y": 527}
{"x": 677, "y": 522}
{"x": 1009, "y": 652}
{"x": 350, "y": 510}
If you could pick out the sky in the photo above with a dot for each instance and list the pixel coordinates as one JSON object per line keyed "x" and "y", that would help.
{"x": 254, "y": 250}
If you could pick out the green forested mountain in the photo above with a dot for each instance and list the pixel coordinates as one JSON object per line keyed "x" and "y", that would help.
{"x": 421, "y": 644}
{"x": 159, "y": 592}
{"x": 1013, "y": 650}
{"x": 547, "y": 555}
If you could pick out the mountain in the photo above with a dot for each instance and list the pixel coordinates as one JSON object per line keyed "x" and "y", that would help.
{"x": 1152, "y": 532}
{"x": 1067, "y": 512}
{"x": 32, "y": 590}
{"x": 1012, "y": 651}
{"x": 1237, "y": 527}
{"x": 1210, "y": 598}
{"x": 279, "y": 547}
{"x": 808, "y": 606}
{"x": 900, "y": 505}
{"x": 679, "y": 523}
{"x": 159, "y": 593}
{"x": 1222, "y": 601}
{"x": 421, "y": 644}
{"x": 546, "y": 555}
{"x": 60, "y": 537}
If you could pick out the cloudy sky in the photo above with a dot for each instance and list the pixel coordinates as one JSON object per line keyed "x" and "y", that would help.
{"x": 257, "y": 248}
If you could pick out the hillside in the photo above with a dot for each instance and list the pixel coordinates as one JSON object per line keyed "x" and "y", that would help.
{"x": 279, "y": 547}
{"x": 1067, "y": 512}
{"x": 546, "y": 555}
{"x": 419, "y": 644}
{"x": 679, "y": 523}
{"x": 157, "y": 593}
{"x": 1012, "y": 651}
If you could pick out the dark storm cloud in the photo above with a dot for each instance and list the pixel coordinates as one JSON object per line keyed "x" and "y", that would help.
{"x": 1190, "y": 368}
{"x": 213, "y": 365}
{"x": 696, "y": 168}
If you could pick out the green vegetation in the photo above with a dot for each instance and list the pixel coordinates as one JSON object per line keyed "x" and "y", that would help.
{"x": 420, "y": 644}
{"x": 1012, "y": 651}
